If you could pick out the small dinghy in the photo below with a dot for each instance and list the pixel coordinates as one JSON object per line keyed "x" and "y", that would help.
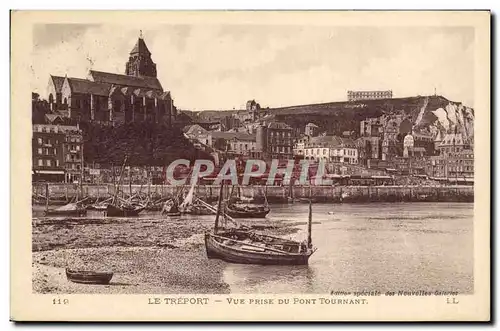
{"x": 88, "y": 277}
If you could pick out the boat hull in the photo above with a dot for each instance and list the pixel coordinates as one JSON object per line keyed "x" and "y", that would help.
{"x": 247, "y": 214}
{"x": 113, "y": 211}
{"x": 217, "y": 250}
{"x": 78, "y": 212}
{"x": 87, "y": 277}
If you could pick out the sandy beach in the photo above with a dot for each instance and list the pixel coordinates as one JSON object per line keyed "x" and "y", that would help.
{"x": 146, "y": 255}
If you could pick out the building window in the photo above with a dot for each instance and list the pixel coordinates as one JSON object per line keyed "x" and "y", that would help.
{"x": 40, "y": 141}
{"x": 57, "y": 163}
{"x": 40, "y": 162}
{"x": 49, "y": 163}
{"x": 55, "y": 151}
{"x": 40, "y": 152}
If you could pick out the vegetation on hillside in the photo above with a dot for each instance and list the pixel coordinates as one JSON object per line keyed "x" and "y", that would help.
{"x": 144, "y": 144}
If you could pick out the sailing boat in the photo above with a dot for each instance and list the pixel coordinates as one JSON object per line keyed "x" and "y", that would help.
{"x": 190, "y": 205}
{"x": 239, "y": 245}
{"x": 122, "y": 208}
{"x": 70, "y": 209}
{"x": 244, "y": 210}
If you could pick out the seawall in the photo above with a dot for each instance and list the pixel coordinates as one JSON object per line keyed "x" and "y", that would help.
{"x": 274, "y": 194}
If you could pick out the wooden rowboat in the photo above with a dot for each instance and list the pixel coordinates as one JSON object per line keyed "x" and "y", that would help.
{"x": 247, "y": 212}
{"x": 88, "y": 277}
{"x": 239, "y": 247}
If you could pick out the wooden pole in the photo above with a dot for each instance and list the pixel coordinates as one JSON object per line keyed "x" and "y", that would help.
{"x": 219, "y": 207}
{"x": 81, "y": 169}
{"x": 129, "y": 181}
{"x": 309, "y": 226}
{"x": 46, "y": 196}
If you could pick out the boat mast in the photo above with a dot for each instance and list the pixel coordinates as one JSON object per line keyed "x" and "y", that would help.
{"x": 309, "y": 226}
{"x": 119, "y": 180}
{"x": 219, "y": 207}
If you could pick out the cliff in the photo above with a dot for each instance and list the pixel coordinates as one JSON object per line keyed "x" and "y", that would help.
{"x": 429, "y": 113}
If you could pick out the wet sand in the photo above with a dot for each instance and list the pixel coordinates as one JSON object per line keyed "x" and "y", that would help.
{"x": 146, "y": 255}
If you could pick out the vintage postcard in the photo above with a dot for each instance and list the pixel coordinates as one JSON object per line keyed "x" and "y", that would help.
{"x": 250, "y": 166}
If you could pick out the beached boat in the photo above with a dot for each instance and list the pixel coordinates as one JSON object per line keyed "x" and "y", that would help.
{"x": 113, "y": 210}
{"x": 88, "y": 277}
{"x": 247, "y": 211}
{"x": 197, "y": 209}
{"x": 71, "y": 209}
{"x": 247, "y": 247}
{"x": 239, "y": 209}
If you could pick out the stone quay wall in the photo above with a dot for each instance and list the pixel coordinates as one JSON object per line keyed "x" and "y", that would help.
{"x": 274, "y": 194}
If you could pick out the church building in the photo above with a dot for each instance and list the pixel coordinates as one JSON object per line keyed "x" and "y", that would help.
{"x": 112, "y": 98}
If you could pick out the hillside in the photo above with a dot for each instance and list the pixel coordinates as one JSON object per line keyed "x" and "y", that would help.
{"x": 433, "y": 113}
{"x": 430, "y": 113}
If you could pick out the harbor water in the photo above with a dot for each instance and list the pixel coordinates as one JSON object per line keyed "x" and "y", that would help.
{"x": 371, "y": 247}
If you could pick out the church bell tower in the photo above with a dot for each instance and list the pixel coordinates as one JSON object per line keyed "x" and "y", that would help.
{"x": 139, "y": 62}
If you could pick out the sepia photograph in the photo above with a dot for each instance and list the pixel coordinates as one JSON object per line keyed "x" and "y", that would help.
{"x": 187, "y": 157}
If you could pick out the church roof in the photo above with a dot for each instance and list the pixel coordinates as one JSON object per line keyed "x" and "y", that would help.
{"x": 86, "y": 86}
{"x": 140, "y": 48}
{"x": 58, "y": 82}
{"x": 125, "y": 80}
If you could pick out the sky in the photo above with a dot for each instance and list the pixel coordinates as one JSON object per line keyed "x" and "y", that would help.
{"x": 210, "y": 67}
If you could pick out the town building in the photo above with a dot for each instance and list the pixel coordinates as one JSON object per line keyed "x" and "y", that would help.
{"x": 299, "y": 146}
{"x": 457, "y": 165}
{"x": 57, "y": 153}
{"x": 274, "y": 140}
{"x": 455, "y": 159}
{"x": 368, "y": 95}
{"x": 331, "y": 149}
{"x": 369, "y": 148}
{"x": 311, "y": 130}
{"x": 236, "y": 143}
{"x": 452, "y": 143}
{"x": 115, "y": 98}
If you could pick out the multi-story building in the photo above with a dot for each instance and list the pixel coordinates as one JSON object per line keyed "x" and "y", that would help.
{"x": 331, "y": 149}
{"x": 237, "y": 143}
{"x": 73, "y": 153}
{"x": 369, "y": 148}
{"x": 57, "y": 153}
{"x": 115, "y": 98}
{"x": 452, "y": 165}
{"x": 368, "y": 95}
{"x": 372, "y": 127}
{"x": 299, "y": 146}
{"x": 452, "y": 143}
{"x": 275, "y": 141}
